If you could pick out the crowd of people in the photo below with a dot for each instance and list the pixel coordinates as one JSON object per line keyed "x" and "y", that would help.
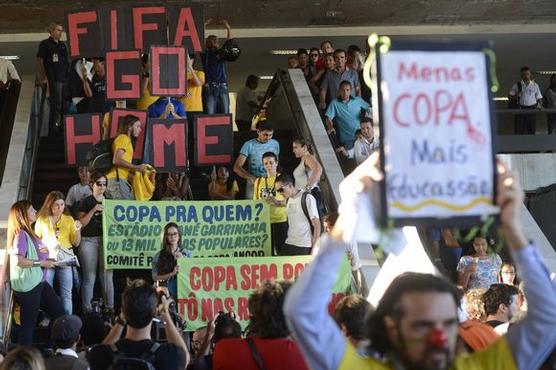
{"x": 422, "y": 321}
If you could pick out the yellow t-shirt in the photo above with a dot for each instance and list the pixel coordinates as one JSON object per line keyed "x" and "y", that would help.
{"x": 223, "y": 189}
{"x": 46, "y": 231}
{"x": 121, "y": 142}
{"x": 146, "y": 99}
{"x": 194, "y": 103}
{"x": 497, "y": 356}
{"x": 265, "y": 186}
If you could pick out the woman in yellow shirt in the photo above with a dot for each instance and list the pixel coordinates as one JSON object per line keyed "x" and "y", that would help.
{"x": 265, "y": 189}
{"x": 119, "y": 177}
{"x": 60, "y": 233}
{"x": 222, "y": 186}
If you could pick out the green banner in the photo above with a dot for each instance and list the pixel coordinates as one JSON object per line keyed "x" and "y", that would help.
{"x": 209, "y": 285}
{"x": 132, "y": 231}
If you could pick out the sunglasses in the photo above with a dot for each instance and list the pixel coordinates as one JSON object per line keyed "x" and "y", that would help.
{"x": 101, "y": 183}
{"x": 314, "y": 55}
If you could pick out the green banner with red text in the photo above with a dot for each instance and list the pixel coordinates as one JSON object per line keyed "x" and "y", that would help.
{"x": 209, "y": 285}
{"x": 132, "y": 230}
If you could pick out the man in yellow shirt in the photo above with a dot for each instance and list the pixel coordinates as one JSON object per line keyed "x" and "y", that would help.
{"x": 193, "y": 99}
{"x": 415, "y": 325}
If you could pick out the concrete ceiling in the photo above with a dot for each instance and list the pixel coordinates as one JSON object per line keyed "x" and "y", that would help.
{"x": 19, "y": 16}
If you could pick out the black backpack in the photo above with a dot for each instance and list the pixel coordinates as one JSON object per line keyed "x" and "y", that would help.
{"x": 99, "y": 159}
{"x": 513, "y": 103}
{"x": 123, "y": 362}
{"x": 306, "y": 211}
{"x": 229, "y": 51}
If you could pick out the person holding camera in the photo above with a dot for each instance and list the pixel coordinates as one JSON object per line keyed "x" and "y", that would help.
{"x": 268, "y": 344}
{"x": 165, "y": 263}
{"x": 265, "y": 189}
{"x": 140, "y": 305}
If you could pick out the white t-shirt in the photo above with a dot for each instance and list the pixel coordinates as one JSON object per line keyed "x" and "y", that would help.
{"x": 76, "y": 193}
{"x": 244, "y": 112}
{"x": 299, "y": 228}
{"x": 529, "y": 93}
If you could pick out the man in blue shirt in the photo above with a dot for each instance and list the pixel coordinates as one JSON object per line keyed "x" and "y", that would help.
{"x": 167, "y": 108}
{"x": 345, "y": 113}
{"x": 252, "y": 153}
{"x": 215, "y": 91}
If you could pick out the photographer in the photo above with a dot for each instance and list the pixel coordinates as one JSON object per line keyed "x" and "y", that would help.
{"x": 165, "y": 263}
{"x": 224, "y": 326}
{"x": 137, "y": 349}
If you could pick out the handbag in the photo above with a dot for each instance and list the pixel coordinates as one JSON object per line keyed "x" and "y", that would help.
{"x": 66, "y": 258}
{"x": 24, "y": 279}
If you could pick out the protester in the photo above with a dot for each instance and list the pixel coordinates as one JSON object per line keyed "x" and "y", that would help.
{"x": 252, "y": 152}
{"x": 326, "y": 48}
{"x": 79, "y": 191}
{"x": 60, "y": 233}
{"x": 23, "y": 358}
{"x": 303, "y": 63}
{"x": 359, "y": 283}
{"x": 508, "y": 274}
{"x": 268, "y": 346}
{"x": 265, "y": 189}
{"x": 119, "y": 177}
{"x": 165, "y": 267}
{"x": 247, "y": 103}
{"x": 351, "y": 314}
{"x": 421, "y": 309}
{"x": 167, "y": 108}
{"x": 29, "y": 262}
{"x": 224, "y": 326}
{"x": 96, "y": 88}
{"x": 525, "y": 95}
{"x": 215, "y": 91}
{"x": 303, "y": 221}
{"x": 193, "y": 100}
{"x": 501, "y": 304}
{"x": 481, "y": 269}
{"x": 53, "y": 63}
{"x": 172, "y": 186}
{"x": 328, "y": 63}
{"x": 354, "y": 58}
{"x": 223, "y": 186}
{"x": 90, "y": 251}
{"x": 65, "y": 335}
{"x": 139, "y": 307}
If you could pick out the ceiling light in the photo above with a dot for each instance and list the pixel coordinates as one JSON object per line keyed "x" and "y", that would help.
{"x": 266, "y": 77}
{"x": 283, "y": 52}
{"x": 545, "y": 72}
{"x": 10, "y": 57}
{"x": 500, "y": 98}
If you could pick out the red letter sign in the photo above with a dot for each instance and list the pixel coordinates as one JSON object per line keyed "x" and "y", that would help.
{"x": 83, "y": 34}
{"x": 123, "y": 70}
{"x": 213, "y": 139}
{"x": 168, "y": 71}
{"x": 82, "y": 131}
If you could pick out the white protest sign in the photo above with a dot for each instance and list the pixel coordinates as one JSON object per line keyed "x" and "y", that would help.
{"x": 436, "y": 134}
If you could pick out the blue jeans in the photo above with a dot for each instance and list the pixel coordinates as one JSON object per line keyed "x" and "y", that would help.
{"x": 216, "y": 98}
{"x": 64, "y": 280}
{"x": 90, "y": 254}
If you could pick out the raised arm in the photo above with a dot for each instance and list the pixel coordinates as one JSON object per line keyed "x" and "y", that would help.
{"x": 532, "y": 339}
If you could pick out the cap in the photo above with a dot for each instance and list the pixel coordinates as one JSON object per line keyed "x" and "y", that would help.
{"x": 66, "y": 328}
{"x": 476, "y": 334}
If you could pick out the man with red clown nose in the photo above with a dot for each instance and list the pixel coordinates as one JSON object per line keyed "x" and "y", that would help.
{"x": 415, "y": 325}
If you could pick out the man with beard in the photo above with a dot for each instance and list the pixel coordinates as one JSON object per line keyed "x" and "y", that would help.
{"x": 415, "y": 325}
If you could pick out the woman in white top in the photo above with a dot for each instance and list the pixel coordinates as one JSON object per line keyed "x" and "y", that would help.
{"x": 309, "y": 170}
